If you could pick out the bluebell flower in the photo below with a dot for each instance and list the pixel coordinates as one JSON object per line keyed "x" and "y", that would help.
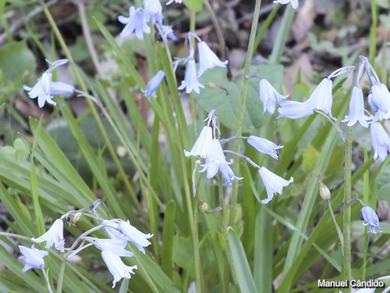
{"x": 380, "y": 141}
{"x": 166, "y": 31}
{"x": 191, "y": 82}
{"x": 153, "y": 10}
{"x": 227, "y": 173}
{"x": 379, "y": 100}
{"x": 371, "y": 219}
{"x": 116, "y": 246}
{"x": 273, "y": 183}
{"x": 321, "y": 98}
{"x": 294, "y": 3}
{"x": 136, "y": 23}
{"x": 207, "y": 58}
{"x": 269, "y": 96}
{"x": 117, "y": 267}
{"x": 203, "y": 144}
{"x": 32, "y": 258}
{"x": 356, "y": 109}
{"x": 154, "y": 84}
{"x": 54, "y": 236}
{"x": 264, "y": 146}
{"x": 294, "y": 109}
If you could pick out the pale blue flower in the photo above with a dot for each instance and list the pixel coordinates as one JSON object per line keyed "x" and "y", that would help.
{"x": 227, "y": 173}
{"x": 379, "y": 100}
{"x": 116, "y": 246}
{"x": 356, "y": 109}
{"x": 380, "y": 141}
{"x": 54, "y": 236}
{"x": 294, "y": 110}
{"x": 166, "y": 31}
{"x": 321, "y": 98}
{"x": 116, "y": 267}
{"x": 294, "y": 3}
{"x": 207, "y": 58}
{"x": 153, "y": 8}
{"x": 136, "y": 23}
{"x": 264, "y": 146}
{"x": 191, "y": 82}
{"x": 273, "y": 183}
{"x": 59, "y": 88}
{"x": 203, "y": 144}
{"x": 371, "y": 219}
{"x": 154, "y": 84}
{"x": 32, "y": 258}
{"x": 269, "y": 96}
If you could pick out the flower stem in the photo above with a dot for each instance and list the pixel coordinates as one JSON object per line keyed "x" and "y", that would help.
{"x": 244, "y": 89}
{"x": 347, "y": 207}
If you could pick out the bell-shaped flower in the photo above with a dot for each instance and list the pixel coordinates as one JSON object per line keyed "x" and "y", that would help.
{"x": 32, "y": 258}
{"x": 269, "y": 96}
{"x": 356, "y": 109}
{"x": 116, "y": 267}
{"x": 294, "y": 110}
{"x": 264, "y": 146}
{"x": 153, "y": 8}
{"x": 294, "y": 3}
{"x": 166, "y": 31}
{"x": 116, "y": 246}
{"x": 227, "y": 173}
{"x": 59, "y": 88}
{"x": 191, "y": 82}
{"x": 273, "y": 183}
{"x": 214, "y": 158}
{"x": 207, "y": 58}
{"x": 119, "y": 229}
{"x": 380, "y": 141}
{"x": 202, "y": 144}
{"x": 154, "y": 84}
{"x": 379, "y": 100}
{"x": 136, "y": 23}
{"x": 371, "y": 219}
{"x": 54, "y": 236}
{"x": 321, "y": 98}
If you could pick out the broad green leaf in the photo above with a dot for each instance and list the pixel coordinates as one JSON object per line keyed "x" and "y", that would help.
{"x": 223, "y": 95}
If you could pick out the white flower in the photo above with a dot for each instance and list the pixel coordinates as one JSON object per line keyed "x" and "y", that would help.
{"x": 371, "y": 219}
{"x": 202, "y": 144}
{"x": 32, "y": 258}
{"x": 214, "y": 158}
{"x": 207, "y": 58}
{"x": 380, "y": 141}
{"x": 190, "y": 82}
{"x": 379, "y": 100}
{"x": 171, "y": 1}
{"x": 272, "y": 183}
{"x": 321, "y": 98}
{"x": 227, "y": 173}
{"x": 136, "y": 23}
{"x": 269, "y": 96}
{"x": 356, "y": 109}
{"x": 294, "y": 110}
{"x": 116, "y": 246}
{"x": 58, "y": 88}
{"x": 119, "y": 229}
{"x": 264, "y": 146}
{"x": 153, "y": 7}
{"x": 53, "y": 236}
{"x": 294, "y": 3}
{"x": 116, "y": 266}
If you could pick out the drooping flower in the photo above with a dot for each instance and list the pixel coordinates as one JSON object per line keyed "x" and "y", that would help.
{"x": 227, "y": 173}
{"x": 207, "y": 58}
{"x": 202, "y": 144}
{"x": 273, "y": 183}
{"x": 59, "y": 88}
{"x": 379, "y": 100}
{"x": 264, "y": 146}
{"x": 54, "y": 236}
{"x": 153, "y": 8}
{"x": 119, "y": 229}
{"x": 294, "y": 3}
{"x": 116, "y": 266}
{"x": 166, "y": 31}
{"x": 116, "y": 246}
{"x": 191, "y": 82}
{"x": 32, "y": 258}
{"x": 371, "y": 219}
{"x": 269, "y": 96}
{"x": 136, "y": 23}
{"x": 356, "y": 109}
{"x": 294, "y": 110}
{"x": 214, "y": 158}
{"x": 321, "y": 98}
{"x": 154, "y": 84}
{"x": 380, "y": 141}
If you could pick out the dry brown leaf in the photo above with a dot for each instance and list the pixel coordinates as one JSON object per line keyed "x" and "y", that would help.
{"x": 304, "y": 20}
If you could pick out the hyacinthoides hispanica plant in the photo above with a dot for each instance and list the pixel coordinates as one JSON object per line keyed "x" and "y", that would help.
{"x": 204, "y": 187}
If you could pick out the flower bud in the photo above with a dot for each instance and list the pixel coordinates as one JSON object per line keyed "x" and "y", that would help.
{"x": 74, "y": 218}
{"x": 324, "y": 191}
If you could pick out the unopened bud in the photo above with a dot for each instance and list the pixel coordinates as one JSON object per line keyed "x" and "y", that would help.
{"x": 74, "y": 218}
{"x": 324, "y": 191}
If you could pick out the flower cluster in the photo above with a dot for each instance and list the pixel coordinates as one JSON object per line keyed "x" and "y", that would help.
{"x": 208, "y": 147}
{"x": 119, "y": 233}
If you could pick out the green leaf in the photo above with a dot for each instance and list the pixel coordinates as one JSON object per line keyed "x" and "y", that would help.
{"x": 223, "y": 96}
{"x": 194, "y": 5}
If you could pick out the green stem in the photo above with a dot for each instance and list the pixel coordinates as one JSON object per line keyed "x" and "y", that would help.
{"x": 281, "y": 37}
{"x": 347, "y": 207}
{"x": 266, "y": 24}
{"x": 366, "y": 194}
{"x": 244, "y": 90}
